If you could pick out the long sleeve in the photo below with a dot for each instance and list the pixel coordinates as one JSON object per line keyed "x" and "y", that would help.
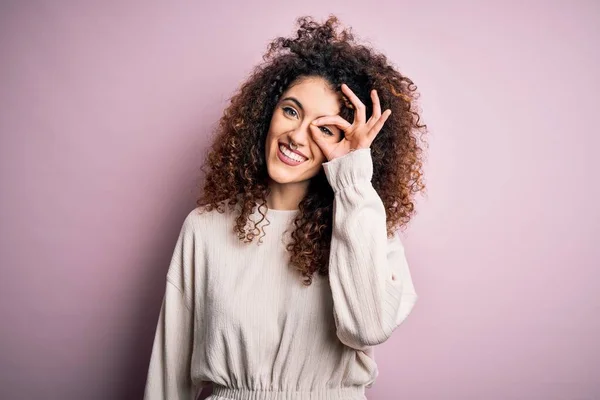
{"x": 169, "y": 372}
{"x": 369, "y": 275}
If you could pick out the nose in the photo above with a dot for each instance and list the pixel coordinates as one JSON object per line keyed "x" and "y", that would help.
{"x": 301, "y": 134}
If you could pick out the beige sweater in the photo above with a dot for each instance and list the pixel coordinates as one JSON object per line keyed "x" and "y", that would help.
{"x": 238, "y": 315}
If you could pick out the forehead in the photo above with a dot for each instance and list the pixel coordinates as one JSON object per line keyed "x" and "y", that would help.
{"x": 316, "y": 97}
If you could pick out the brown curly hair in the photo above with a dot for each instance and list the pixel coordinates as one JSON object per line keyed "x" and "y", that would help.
{"x": 235, "y": 166}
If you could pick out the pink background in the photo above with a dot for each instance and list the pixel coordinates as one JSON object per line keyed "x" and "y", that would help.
{"x": 105, "y": 113}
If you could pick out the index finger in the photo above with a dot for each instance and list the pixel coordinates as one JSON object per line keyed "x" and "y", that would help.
{"x": 333, "y": 120}
{"x": 360, "y": 114}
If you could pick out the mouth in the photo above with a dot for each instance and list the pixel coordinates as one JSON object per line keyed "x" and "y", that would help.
{"x": 288, "y": 156}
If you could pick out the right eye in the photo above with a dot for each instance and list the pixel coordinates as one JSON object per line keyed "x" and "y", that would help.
{"x": 290, "y": 111}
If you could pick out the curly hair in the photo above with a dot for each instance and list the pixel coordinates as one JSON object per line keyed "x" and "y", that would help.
{"x": 235, "y": 166}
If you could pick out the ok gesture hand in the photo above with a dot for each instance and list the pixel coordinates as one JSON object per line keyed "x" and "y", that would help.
{"x": 358, "y": 135}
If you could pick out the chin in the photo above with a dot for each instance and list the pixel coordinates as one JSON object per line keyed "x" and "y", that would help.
{"x": 283, "y": 174}
{"x": 282, "y": 177}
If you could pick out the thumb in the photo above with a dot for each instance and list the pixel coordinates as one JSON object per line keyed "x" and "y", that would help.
{"x": 319, "y": 140}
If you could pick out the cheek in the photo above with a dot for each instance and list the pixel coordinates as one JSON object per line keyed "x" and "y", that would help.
{"x": 270, "y": 133}
{"x": 272, "y": 127}
{"x": 317, "y": 153}
{"x": 271, "y": 139}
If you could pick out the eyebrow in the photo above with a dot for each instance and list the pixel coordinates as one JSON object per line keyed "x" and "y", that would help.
{"x": 293, "y": 99}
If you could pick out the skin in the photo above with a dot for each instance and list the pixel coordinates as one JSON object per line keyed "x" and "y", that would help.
{"x": 320, "y": 133}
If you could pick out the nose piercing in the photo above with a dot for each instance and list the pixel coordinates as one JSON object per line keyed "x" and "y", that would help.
{"x": 293, "y": 146}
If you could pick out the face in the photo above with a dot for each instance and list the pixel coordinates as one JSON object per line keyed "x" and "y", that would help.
{"x": 298, "y": 107}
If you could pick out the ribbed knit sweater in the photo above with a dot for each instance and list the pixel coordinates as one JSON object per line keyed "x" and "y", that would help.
{"x": 237, "y": 314}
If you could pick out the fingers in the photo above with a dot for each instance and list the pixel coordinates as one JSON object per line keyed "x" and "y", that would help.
{"x": 359, "y": 128}
{"x": 333, "y": 120}
{"x": 325, "y": 147}
{"x": 360, "y": 109}
{"x": 379, "y": 124}
{"x": 376, "y": 105}
{"x": 360, "y": 114}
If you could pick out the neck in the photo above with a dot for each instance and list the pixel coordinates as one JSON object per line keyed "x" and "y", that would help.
{"x": 286, "y": 196}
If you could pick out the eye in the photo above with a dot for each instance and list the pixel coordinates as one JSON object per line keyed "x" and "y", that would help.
{"x": 290, "y": 111}
{"x": 326, "y": 131}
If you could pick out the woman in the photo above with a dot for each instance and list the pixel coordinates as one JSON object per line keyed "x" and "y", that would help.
{"x": 306, "y": 159}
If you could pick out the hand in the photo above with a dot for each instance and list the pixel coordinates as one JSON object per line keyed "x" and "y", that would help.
{"x": 358, "y": 135}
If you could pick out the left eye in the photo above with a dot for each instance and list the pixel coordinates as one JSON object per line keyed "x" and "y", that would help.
{"x": 327, "y": 131}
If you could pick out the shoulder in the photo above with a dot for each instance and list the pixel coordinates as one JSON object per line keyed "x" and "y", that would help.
{"x": 201, "y": 221}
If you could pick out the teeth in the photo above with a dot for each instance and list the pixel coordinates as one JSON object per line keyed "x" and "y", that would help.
{"x": 291, "y": 155}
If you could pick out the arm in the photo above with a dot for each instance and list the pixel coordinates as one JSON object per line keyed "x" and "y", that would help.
{"x": 369, "y": 276}
{"x": 169, "y": 373}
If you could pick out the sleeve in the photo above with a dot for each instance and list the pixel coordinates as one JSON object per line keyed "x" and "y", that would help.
{"x": 371, "y": 284}
{"x": 169, "y": 373}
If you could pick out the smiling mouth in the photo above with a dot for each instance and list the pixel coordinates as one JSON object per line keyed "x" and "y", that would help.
{"x": 289, "y": 157}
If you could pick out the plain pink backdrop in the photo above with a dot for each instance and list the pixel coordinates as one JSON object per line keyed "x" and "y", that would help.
{"x": 106, "y": 109}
